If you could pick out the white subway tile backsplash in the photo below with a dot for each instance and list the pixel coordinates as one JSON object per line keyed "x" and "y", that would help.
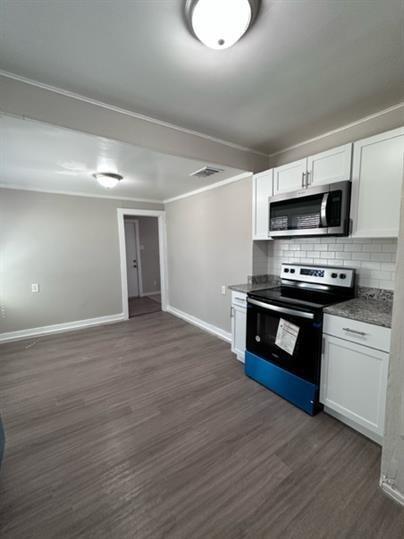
{"x": 360, "y": 256}
{"x": 374, "y": 259}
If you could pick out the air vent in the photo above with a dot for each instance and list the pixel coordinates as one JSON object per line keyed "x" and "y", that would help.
{"x": 205, "y": 172}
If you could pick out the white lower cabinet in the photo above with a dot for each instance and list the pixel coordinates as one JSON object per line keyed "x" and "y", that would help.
{"x": 238, "y": 324}
{"x": 354, "y": 375}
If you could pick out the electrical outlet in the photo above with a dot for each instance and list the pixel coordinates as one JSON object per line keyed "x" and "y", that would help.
{"x": 223, "y": 289}
{"x": 35, "y": 288}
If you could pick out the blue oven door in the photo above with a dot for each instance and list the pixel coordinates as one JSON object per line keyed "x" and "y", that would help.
{"x": 284, "y": 351}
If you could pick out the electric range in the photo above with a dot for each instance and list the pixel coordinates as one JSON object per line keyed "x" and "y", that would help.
{"x": 284, "y": 330}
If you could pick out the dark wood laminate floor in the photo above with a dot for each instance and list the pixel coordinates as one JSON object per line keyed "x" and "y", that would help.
{"x": 149, "y": 428}
{"x": 143, "y": 305}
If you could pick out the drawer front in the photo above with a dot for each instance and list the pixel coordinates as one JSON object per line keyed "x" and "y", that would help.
{"x": 239, "y": 299}
{"x": 359, "y": 332}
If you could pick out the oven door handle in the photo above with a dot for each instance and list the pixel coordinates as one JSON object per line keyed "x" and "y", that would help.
{"x": 324, "y": 204}
{"x": 283, "y": 310}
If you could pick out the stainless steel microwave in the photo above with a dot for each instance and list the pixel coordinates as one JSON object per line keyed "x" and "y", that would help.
{"x": 316, "y": 211}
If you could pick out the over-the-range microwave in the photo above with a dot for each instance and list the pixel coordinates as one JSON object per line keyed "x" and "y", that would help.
{"x": 316, "y": 211}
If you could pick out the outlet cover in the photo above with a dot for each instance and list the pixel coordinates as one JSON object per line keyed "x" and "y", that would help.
{"x": 35, "y": 288}
{"x": 223, "y": 289}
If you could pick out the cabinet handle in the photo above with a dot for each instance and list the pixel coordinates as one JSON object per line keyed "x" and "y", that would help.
{"x": 231, "y": 312}
{"x": 355, "y": 332}
{"x": 303, "y": 175}
{"x": 308, "y": 182}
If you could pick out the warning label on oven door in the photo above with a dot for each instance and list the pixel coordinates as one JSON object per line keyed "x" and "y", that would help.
{"x": 286, "y": 336}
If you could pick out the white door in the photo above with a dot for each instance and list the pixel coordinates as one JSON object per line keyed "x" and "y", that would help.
{"x": 238, "y": 331}
{"x": 354, "y": 382}
{"x": 377, "y": 177}
{"x": 290, "y": 177}
{"x": 331, "y": 166}
{"x": 262, "y": 190}
{"x": 131, "y": 259}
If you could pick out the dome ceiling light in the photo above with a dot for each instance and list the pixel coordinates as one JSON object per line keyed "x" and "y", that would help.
{"x": 108, "y": 179}
{"x": 219, "y": 24}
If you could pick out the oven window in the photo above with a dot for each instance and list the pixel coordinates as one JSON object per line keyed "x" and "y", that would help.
{"x": 262, "y": 331}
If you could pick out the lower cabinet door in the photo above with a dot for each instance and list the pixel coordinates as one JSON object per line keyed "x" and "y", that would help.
{"x": 354, "y": 383}
{"x": 238, "y": 331}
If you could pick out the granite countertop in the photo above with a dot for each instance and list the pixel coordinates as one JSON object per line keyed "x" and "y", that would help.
{"x": 256, "y": 282}
{"x": 372, "y": 308}
{"x": 250, "y": 287}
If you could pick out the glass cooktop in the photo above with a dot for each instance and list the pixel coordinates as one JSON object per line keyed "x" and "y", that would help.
{"x": 297, "y": 297}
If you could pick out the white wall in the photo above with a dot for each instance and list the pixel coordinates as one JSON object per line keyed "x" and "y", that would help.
{"x": 393, "y": 447}
{"x": 374, "y": 259}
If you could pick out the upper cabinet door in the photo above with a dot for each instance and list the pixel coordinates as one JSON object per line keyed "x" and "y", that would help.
{"x": 290, "y": 177}
{"x": 331, "y": 166}
{"x": 377, "y": 176}
{"x": 262, "y": 190}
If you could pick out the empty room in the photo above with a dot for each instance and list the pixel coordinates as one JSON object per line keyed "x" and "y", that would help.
{"x": 201, "y": 269}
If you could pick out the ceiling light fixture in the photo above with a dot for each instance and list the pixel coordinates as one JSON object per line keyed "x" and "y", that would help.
{"x": 219, "y": 24}
{"x": 108, "y": 179}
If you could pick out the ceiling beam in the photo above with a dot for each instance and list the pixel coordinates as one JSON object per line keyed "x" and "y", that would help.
{"x": 65, "y": 109}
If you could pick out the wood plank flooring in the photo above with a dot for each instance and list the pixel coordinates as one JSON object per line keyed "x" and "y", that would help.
{"x": 149, "y": 429}
{"x": 144, "y": 305}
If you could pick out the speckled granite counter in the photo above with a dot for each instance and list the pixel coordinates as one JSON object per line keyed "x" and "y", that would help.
{"x": 372, "y": 306}
{"x": 250, "y": 287}
{"x": 256, "y": 282}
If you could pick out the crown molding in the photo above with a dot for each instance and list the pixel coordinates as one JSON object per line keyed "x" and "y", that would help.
{"x": 127, "y": 112}
{"x": 339, "y": 129}
{"x": 237, "y": 178}
{"x": 79, "y": 194}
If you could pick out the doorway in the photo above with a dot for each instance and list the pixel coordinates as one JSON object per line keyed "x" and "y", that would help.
{"x": 143, "y": 261}
{"x": 142, "y": 265}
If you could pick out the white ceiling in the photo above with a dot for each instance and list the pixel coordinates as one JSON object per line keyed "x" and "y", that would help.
{"x": 307, "y": 66}
{"x": 44, "y": 157}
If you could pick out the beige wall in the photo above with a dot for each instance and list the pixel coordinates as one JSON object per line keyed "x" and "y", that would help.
{"x": 67, "y": 244}
{"x": 48, "y": 106}
{"x": 209, "y": 245}
{"x": 372, "y": 126}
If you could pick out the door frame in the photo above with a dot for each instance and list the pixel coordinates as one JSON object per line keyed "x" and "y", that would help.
{"x": 162, "y": 231}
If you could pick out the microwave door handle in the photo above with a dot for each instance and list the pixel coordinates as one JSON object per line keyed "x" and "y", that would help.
{"x": 284, "y": 310}
{"x": 324, "y": 206}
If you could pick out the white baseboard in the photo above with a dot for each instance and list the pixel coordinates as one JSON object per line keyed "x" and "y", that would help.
{"x": 59, "y": 328}
{"x": 210, "y": 328}
{"x": 156, "y": 293}
{"x": 391, "y": 491}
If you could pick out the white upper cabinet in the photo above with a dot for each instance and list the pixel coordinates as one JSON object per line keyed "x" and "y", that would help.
{"x": 377, "y": 177}
{"x": 331, "y": 166}
{"x": 262, "y": 190}
{"x": 326, "y": 167}
{"x": 290, "y": 177}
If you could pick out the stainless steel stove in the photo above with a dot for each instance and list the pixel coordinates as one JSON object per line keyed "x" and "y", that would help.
{"x": 284, "y": 330}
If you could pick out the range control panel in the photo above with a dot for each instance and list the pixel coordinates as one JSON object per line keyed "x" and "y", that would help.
{"x": 326, "y": 275}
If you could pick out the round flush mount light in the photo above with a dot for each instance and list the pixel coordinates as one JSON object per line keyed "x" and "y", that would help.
{"x": 219, "y": 24}
{"x": 108, "y": 179}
